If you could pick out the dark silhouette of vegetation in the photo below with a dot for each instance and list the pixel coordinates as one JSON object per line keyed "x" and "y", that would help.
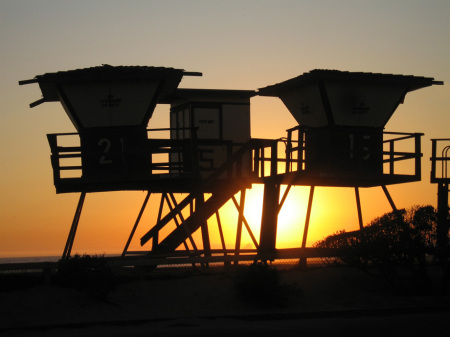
{"x": 260, "y": 284}
{"x": 398, "y": 246}
{"x": 87, "y": 273}
{"x": 19, "y": 280}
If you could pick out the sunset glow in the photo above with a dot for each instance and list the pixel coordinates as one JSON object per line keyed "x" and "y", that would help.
{"x": 236, "y": 45}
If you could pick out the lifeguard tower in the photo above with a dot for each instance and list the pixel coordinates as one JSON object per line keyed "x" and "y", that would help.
{"x": 210, "y": 156}
{"x": 340, "y": 140}
{"x": 110, "y": 108}
{"x": 440, "y": 175}
{"x": 208, "y": 150}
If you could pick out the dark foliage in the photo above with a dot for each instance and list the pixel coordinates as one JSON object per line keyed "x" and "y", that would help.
{"x": 397, "y": 246}
{"x": 20, "y": 281}
{"x": 259, "y": 284}
{"x": 87, "y": 273}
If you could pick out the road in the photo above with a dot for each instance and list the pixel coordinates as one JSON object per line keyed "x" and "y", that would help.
{"x": 361, "y": 325}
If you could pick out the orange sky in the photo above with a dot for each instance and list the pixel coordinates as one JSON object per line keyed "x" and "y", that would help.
{"x": 236, "y": 45}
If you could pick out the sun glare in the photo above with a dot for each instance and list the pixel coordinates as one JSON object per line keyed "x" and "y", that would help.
{"x": 290, "y": 218}
{"x": 327, "y": 215}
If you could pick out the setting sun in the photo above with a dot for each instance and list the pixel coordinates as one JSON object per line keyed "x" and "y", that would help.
{"x": 258, "y": 46}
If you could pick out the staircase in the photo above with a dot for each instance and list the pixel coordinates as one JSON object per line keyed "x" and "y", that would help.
{"x": 223, "y": 184}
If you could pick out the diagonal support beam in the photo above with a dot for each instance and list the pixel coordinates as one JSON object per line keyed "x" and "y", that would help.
{"x": 133, "y": 230}
{"x": 244, "y": 221}
{"x": 358, "y": 206}
{"x": 188, "y": 233}
{"x": 283, "y": 198}
{"x": 388, "y": 196}
{"x": 192, "y": 223}
{"x": 222, "y": 238}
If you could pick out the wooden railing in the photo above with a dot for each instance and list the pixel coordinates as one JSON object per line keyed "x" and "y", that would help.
{"x": 392, "y": 157}
{"x": 440, "y": 164}
{"x": 198, "y": 159}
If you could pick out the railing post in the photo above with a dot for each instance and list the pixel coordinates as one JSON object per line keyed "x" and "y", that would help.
{"x": 433, "y": 160}
{"x": 256, "y": 160}
{"x": 301, "y": 148}
{"x": 418, "y": 156}
{"x": 391, "y": 157}
{"x": 274, "y": 158}
{"x": 195, "y": 153}
{"x": 53, "y": 142}
{"x": 263, "y": 160}
{"x": 288, "y": 151}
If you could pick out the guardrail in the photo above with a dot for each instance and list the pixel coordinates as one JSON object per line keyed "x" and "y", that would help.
{"x": 440, "y": 164}
{"x": 399, "y": 153}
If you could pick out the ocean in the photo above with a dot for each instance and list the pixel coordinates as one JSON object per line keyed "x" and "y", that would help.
{"x": 28, "y": 259}
{"x": 4, "y": 260}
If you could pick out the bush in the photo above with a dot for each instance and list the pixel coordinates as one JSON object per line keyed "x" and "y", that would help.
{"x": 86, "y": 273}
{"x": 259, "y": 284}
{"x": 395, "y": 246}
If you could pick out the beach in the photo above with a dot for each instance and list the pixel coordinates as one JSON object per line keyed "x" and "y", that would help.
{"x": 207, "y": 297}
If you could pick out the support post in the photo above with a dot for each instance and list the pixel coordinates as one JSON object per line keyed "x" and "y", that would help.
{"x": 73, "y": 228}
{"x": 443, "y": 221}
{"x": 269, "y": 219}
{"x": 303, "y": 261}
{"x": 358, "y": 206}
{"x": 155, "y": 238}
{"x": 237, "y": 246}
{"x": 199, "y": 201}
{"x": 418, "y": 157}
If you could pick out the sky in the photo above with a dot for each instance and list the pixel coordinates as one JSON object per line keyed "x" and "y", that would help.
{"x": 245, "y": 44}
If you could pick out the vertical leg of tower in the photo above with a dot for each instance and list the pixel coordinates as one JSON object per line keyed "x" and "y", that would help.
{"x": 269, "y": 219}
{"x": 199, "y": 201}
{"x": 443, "y": 221}
{"x": 73, "y": 229}
{"x": 239, "y": 224}
{"x": 155, "y": 239}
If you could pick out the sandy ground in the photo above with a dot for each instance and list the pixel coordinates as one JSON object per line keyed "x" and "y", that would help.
{"x": 198, "y": 298}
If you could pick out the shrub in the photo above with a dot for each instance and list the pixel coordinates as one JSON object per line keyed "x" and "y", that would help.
{"x": 86, "y": 273}
{"x": 260, "y": 284}
{"x": 390, "y": 245}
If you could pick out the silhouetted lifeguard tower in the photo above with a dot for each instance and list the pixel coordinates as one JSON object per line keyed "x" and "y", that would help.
{"x": 210, "y": 155}
{"x": 440, "y": 175}
{"x": 340, "y": 140}
{"x": 208, "y": 150}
